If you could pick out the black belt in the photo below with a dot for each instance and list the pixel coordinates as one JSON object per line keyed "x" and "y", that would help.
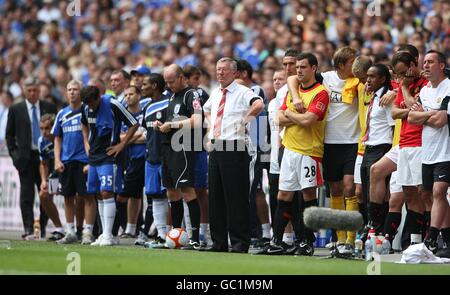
{"x": 229, "y": 145}
{"x": 371, "y": 147}
{"x": 213, "y": 141}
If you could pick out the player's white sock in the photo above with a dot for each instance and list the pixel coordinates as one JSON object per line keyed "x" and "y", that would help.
{"x": 60, "y": 230}
{"x": 101, "y": 208}
{"x": 162, "y": 231}
{"x": 266, "y": 230}
{"x": 204, "y": 229}
{"x": 160, "y": 216}
{"x": 187, "y": 219}
{"x": 131, "y": 229}
{"x": 71, "y": 228}
{"x": 202, "y": 232}
{"x": 288, "y": 238}
{"x": 89, "y": 227}
{"x": 109, "y": 212}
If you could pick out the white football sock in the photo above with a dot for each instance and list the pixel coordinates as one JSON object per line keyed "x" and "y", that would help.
{"x": 89, "y": 227}
{"x": 187, "y": 219}
{"x": 160, "y": 207}
{"x": 131, "y": 229}
{"x": 70, "y": 228}
{"x": 265, "y": 230}
{"x": 202, "y": 231}
{"x": 109, "y": 212}
{"x": 288, "y": 238}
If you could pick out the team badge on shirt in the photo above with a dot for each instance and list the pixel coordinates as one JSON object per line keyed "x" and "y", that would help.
{"x": 196, "y": 95}
{"x": 158, "y": 115}
{"x": 196, "y": 104}
{"x": 176, "y": 110}
{"x": 335, "y": 97}
{"x": 320, "y": 106}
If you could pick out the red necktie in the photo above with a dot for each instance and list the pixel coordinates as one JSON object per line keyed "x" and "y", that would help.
{"x": 218, "y": 123}
{"x": 366, "y": 134}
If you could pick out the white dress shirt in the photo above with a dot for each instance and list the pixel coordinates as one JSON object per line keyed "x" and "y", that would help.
{"x": 30, "y": 115}
{"x": 272, "y": 110}
{"x": 381, "y": 122}
{"x": 3, "y": 121}
{"x": 237, "y": 104}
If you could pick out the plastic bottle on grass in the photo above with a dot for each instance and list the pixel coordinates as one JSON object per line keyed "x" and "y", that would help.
{"x": 368, "y": 250}
{"x": 386, "y": 246}
{"x": 358, "y": 246}
{"x": 37, "y": 229}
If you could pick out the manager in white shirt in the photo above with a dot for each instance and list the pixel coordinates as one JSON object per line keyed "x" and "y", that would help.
{"x": 229, "y": 108}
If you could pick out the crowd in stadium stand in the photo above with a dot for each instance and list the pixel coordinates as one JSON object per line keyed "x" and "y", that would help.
{"x": 42, "y": 38}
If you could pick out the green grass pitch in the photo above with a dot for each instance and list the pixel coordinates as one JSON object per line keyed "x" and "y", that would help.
{"x": 24, "y": 257}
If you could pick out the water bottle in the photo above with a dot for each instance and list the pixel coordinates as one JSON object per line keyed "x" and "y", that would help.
{"x": 386, "y": 246}
{"x": 378, "y": 246}
{"x": 373, "y": 243}
{"x": 322, "y": 238}
{"x": 37, "y": 229}
{"x": 316, "y": 241}
{"x": 368, "y": 250}
{"x": 329, "y": 234}
{"x": 358, "y": 246}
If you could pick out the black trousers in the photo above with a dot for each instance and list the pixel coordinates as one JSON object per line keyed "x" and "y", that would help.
{"x": 371, "y": 155}
{"x": 273, "y": 194}
{"x": 229, "y": 209}
{"x": 29, "y": 178}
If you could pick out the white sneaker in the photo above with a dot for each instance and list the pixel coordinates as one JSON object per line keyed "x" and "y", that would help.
{"x": 87, "y": 237}
{"x": 348, "y": 249}
{"x": 141, "y": 240}
{"x": 97, "y": 241}
{"x": 69, "y": 238}
{"x": 158, "y": 243}
{"x": 330, "y": 245}
{"x": 208, "y": 238}
{"x": 107, "y": 241}
{"x": 116, "y": 240}
{"x": 31, "y": 237}
{"x": 340, "y": 248}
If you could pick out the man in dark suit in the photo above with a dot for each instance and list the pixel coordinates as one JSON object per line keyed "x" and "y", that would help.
{"x": 22, "y": 134}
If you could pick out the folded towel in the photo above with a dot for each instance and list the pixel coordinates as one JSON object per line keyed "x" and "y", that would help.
{"x": 350, "y": 90}
{"x": 419, "y": 253}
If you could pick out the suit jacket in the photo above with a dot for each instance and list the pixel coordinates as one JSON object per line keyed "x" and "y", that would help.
{"x": 18, "y": 132}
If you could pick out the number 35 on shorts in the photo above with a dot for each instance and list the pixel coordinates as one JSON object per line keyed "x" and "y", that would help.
{"x": 106, "y": 177}
{"x": 106, "y": 180}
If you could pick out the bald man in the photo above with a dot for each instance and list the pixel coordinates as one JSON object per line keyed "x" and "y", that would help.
{"x": 181, "y": 137}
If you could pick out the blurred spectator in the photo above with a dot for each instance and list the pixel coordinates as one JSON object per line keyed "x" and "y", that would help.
{"x": 7, "y": 100}
{"x": 48, "y": 12}
{"x": 43, "y": 39}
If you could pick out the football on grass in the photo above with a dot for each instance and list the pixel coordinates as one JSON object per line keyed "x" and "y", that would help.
{"x": 176, "y": 238}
